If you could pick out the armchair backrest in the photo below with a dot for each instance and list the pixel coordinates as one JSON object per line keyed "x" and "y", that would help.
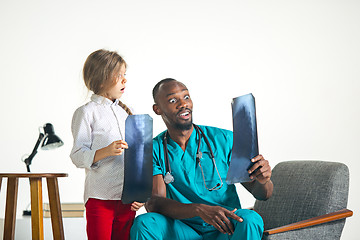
{"x": 304, "y": 189}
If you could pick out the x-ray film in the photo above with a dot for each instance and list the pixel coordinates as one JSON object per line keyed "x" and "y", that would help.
{"x": 138, "y": 167}
{"x": 245, "y": 143}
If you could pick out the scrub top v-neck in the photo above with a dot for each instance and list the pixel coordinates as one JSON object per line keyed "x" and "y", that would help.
{"x": 188, "y": 185}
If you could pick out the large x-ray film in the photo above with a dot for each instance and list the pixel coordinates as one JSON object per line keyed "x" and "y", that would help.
{"x": 138, "y": 159}
{"x": 245, "y": 143}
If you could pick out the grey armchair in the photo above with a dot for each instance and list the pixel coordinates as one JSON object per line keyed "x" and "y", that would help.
{"x": 309, "y": 201}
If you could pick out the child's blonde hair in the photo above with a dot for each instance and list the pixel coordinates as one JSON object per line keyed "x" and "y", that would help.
{"x": 100, "y": 71}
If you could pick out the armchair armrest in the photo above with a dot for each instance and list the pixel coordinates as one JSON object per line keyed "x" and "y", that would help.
{"x": 344, "y": 213}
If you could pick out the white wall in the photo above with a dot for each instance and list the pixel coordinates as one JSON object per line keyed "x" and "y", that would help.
{"x": 299, "y": 58}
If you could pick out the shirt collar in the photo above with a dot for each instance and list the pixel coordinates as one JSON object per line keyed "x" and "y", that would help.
{"x": 103, "y": 100}
{"x": 192, "y": 142}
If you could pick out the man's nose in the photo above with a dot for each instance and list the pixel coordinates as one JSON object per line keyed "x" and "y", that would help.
{"x": 182, "y": 103}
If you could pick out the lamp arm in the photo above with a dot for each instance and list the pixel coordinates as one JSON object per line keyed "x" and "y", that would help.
{"x": 32, "y": 155}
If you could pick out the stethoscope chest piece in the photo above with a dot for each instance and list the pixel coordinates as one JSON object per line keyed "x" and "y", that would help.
{"x": 169, "y": 178}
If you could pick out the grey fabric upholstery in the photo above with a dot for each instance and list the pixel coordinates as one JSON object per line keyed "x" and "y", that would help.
{"x": 302, "y": 190}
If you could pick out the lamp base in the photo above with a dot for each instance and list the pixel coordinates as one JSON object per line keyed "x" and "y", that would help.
{"x": 26, "y": 213}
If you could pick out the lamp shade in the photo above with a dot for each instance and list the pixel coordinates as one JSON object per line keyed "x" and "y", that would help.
{"x": 51, "y": 140}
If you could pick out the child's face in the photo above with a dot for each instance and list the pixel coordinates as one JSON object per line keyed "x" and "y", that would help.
{"x": 116, "y": 91}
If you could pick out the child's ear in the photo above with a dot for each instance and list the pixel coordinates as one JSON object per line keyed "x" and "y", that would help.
{"x": 156, "y": 109}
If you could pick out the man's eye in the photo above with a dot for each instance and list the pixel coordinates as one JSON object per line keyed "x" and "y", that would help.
{"x": 173, "y": 100}
{"x": 187, "y": 97}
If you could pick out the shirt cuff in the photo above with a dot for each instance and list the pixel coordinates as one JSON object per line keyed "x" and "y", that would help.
{"x": 157, "y": 172}
{"x": 89, "y": 162}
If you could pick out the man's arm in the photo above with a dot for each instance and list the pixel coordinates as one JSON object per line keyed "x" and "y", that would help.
{"x": 160, "y": 204}
{"x": 214, "y": 215}
{"x": 261, "y": 187}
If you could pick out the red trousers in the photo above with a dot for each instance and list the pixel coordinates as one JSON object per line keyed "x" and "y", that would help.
{"x": 108, "y": 219}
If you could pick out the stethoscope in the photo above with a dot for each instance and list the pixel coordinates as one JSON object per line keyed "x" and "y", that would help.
{"x": 169, "y": 178}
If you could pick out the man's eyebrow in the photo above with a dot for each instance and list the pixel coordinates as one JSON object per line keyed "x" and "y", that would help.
{"x": 169, "y": 94}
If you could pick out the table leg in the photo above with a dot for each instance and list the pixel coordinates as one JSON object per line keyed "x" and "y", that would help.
{"x": 55, "y": 208}
{"x": 10, "y": 210}
{"x": 37, "y": 224}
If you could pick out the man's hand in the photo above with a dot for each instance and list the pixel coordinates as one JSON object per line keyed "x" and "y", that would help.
{"x": 261, "y": 170}
{"x": 218, "y": 217}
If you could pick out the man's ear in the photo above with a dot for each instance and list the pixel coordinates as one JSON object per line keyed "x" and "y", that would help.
{"x": 156, "y": 109}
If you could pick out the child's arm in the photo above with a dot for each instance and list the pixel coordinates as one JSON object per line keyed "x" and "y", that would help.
{"x": 114, "y": 149}
{"x": 81, "y": 154}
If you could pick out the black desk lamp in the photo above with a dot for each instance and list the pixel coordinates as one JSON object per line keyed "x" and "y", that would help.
{"x": 49, "y": 141}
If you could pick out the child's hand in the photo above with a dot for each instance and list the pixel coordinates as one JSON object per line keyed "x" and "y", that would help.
{"x": 136, "y": 206}
{"x": 116, "y": 148}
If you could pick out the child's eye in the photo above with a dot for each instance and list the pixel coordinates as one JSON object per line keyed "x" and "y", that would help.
{"x": 121, "y": 76}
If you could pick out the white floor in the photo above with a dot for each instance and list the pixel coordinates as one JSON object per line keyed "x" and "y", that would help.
{"x": 74, "y": 228}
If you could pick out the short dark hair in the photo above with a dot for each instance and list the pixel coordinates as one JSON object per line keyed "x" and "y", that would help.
{"x": 157, "y": 86}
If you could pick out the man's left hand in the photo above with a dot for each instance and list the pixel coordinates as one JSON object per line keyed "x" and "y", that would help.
{"x": 261, "y": 170}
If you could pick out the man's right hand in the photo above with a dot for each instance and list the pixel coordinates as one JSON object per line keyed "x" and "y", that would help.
{"x": 214, "y": 215}
{"x": 218, "y": 217}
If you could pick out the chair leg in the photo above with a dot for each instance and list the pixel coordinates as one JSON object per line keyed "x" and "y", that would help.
{"x": 37, "y": 224}
{"x": 55, "y": 208}
{"x": 10, "y": 210}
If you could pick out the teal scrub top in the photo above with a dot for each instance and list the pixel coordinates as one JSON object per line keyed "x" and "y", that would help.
{"x": 188, "y": 185}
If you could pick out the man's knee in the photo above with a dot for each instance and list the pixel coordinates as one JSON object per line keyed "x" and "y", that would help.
{"x": 144, "y": 220}
{"x": 251, "y": 219}
{"x": 145, "y": 225}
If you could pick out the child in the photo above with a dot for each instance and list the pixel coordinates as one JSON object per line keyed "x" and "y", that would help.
{"x": 98, "y": 128}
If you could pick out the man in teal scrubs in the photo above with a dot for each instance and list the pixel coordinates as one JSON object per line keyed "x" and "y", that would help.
{"x": 198, "y": 203}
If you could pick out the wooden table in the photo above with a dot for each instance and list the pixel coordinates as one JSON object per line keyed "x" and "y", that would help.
{"x": 36, "y": 203}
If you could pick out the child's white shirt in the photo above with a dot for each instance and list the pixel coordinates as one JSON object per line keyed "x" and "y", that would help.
{"x": 95, "y": 125}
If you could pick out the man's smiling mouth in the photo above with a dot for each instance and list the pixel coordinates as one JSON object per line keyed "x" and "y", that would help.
{"x": 185, "y": 114}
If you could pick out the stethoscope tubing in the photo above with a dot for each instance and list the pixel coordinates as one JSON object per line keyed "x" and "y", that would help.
{"x": 169, "y": 177}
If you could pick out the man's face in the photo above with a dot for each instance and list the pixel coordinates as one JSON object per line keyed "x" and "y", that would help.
{"x": 174, "y": 104}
